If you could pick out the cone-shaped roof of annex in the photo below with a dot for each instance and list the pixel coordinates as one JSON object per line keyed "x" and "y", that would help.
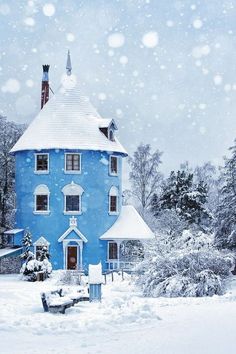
{"x": 68, "y": 121}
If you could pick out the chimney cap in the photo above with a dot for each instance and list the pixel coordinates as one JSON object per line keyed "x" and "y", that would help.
{"x": 46, "y": 68}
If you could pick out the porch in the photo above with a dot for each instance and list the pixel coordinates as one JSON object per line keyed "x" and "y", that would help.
{"x": 124, "y": 255}
{"x": 126, "y": 239}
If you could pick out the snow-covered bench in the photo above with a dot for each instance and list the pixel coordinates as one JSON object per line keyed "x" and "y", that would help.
{"x": 55, "y": 302}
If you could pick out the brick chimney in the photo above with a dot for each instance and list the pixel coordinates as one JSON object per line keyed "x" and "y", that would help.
{"x": 45, "y": 86}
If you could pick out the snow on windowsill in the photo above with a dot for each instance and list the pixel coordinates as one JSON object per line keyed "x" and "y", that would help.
{"x": 42, "y": 212}
{"x": 41, "y": 172}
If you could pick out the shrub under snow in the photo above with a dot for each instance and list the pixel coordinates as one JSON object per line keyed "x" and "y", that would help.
{"x": 32, "y": 266}
{"x": 185, "y": 265}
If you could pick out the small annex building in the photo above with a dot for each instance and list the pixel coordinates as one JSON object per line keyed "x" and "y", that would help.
{"x": 69, "y": 184}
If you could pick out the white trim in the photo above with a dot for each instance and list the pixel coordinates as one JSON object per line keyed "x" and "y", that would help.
{"x": 72, "y": 189}
{"x": 69, "y": 230}
{"x": 118, "y": 160}
{"x": 79, "y": 252}
{"x": 40, "y": 172}
{"x": 73, "y": 172}
{"x": 41, "y": 189}
{"x": 41, "y": 242}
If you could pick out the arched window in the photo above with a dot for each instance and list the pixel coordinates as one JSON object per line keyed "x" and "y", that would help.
{"x": 113, "y": 200}
{"x": 72, "y": 198}
{"x": 41, "y": 199}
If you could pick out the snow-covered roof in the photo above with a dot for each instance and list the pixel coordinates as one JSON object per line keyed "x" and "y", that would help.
{"x": 129, "y": 226}
{"x": 41, "y": 241}
{"x": 106, "y": 122}
{"x": 6, "y": 251}
{"x": 13, "y": 231}
{"x": 67, "y": 121}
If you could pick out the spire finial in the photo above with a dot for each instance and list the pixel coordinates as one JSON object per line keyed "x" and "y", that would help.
{"x": 68, "y": 64}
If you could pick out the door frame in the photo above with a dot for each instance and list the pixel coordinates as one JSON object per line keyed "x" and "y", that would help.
{"x": 79, "y": 245}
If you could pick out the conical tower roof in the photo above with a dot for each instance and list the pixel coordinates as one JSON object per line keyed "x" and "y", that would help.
{"x": 67, "y": 121}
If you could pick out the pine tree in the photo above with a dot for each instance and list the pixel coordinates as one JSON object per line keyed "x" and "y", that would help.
{"x": 26, "y": 243}
{"x": 181, "y": 194}
{"x": 9, "y": 134}
{"x": 226, "y": 211}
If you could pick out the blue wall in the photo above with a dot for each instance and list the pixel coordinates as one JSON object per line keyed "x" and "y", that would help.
{"x": 94, "y": 220}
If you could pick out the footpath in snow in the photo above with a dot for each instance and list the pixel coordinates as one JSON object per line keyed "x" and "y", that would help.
{"x": 123, "y": 323}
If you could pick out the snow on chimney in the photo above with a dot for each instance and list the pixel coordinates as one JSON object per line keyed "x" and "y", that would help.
{"x": 45, "y": 86}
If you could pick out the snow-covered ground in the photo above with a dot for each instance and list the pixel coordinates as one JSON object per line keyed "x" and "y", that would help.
{"x": 123, "y": 323}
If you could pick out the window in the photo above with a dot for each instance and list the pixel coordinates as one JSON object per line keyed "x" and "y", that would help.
{"x": 41, "y": 163}
{"x": 41, "y": 248}
{"x": 112, "y": 250}
{"x": 113, "y": 203}
{"x": 72, "y": 163}
{"x": 72, "y": 198}
{"x": 41, "y": 195}
{"x": 111, "y": 135}
{"x": 72, "y": 203}
{"x": 113, "y": 200}
{"x": 114, "y": 165}
{"x": 41, "y": 202}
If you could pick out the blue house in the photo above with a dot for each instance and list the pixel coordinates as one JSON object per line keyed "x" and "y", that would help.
{"x": 69, "y": 184}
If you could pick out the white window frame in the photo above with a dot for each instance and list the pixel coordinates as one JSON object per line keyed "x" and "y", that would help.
{"x": 108, "y": 247}
{"x": 72, "y": 171}
{"x": 71, "y": 212}
{"x": 73, "y": 189}
{"x": 113, "y": 192}
{"x": 110, "y": 171}
{"x": 41, "y": 172}
{"x": 41, "y": 189}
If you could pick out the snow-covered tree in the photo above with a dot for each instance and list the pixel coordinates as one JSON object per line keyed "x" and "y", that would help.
{"x": 26, "y": 243}
{"x": 145, "y": 176}
{"x": 32, "y": 266}
{"x": 226, "y": 210}
{"x": 181, "y": 194}
{"x": 9, "y": 134}
{"x": 186, "y": 265}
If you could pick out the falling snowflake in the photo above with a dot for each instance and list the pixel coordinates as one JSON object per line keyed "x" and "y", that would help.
{"x": 218, "y": 80}
{"x": 150, "y": 39}
{"x": 197, "y": 24}
{"x": 49, "y": 9}
{"x": 70, "y": 37}
{"x": 11, "y": 86}
{"x": 116, "y": 40}
{"x": 29, "y": 21}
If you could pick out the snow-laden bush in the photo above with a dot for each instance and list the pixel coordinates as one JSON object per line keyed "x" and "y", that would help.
{"x": 32, "y": 266}
{"x": 187, "y": 265}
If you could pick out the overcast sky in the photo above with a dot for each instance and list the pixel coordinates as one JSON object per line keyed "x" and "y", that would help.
{"x": 165, "y": 70}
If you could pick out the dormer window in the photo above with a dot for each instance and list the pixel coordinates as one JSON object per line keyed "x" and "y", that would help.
{"x": 41, "y": 163}
{"x": 108, "y": 127}
{"x": 113, "y": 165}
{"x": 73, "y": 163}
{"x": 111, "y": 135}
